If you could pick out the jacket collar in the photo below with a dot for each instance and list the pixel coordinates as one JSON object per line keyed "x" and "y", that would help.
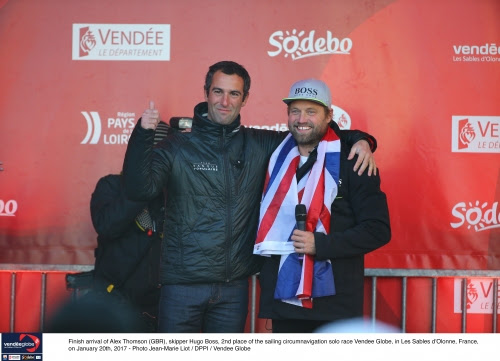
{"x": 202, "y": 124}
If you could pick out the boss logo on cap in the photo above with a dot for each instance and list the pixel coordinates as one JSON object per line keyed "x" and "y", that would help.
{"x": 306, "y": 91}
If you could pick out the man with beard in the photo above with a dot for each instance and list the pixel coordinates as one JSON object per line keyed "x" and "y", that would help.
{"x": 314, "y": 275}
{"x": 213, "y": 178}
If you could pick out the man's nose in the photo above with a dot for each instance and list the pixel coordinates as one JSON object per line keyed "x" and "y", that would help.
{"x": 225, "y": 99}
{"x": 302, "y": 117}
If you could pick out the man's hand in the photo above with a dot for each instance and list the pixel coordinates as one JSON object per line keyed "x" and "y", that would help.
{"x": 151, "y": 117}
{"x": 365, "y": 158}
{"x": 303, "y": 242}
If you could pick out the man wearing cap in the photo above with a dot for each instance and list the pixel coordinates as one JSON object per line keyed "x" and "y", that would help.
{"x": 213, "y": 177}
{"x": 315, "y": 275}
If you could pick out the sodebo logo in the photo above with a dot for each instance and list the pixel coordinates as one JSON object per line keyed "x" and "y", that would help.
{"x": 476, "y": 215}
{"x": 8, "y": 208}
{"x": 118, "y": 128}
{"x": 299, "y": 45}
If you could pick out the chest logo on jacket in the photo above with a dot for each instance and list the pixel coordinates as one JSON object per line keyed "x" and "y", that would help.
{"x": 205, "y": 166}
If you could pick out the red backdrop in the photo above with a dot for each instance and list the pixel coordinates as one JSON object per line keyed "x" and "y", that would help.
{"x": 421, "y": 76}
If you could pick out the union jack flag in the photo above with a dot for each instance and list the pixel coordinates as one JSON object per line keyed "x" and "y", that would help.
{"x": 300, "y": 277}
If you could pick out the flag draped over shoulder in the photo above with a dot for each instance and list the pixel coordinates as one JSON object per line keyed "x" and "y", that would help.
{"x": 300, "y": 277}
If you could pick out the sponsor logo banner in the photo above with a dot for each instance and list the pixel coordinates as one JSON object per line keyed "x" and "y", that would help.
{"x": 299, "y": 44}
{"x": 479, "y": 216}
{"x": 21, "y": 346}
{"x": 340, "y": 116}
{"x": 8, "y": 208}
{"x": 475, "y": 134}
{"x": 139, "y": 42}
{"x": 479, "y": 295}
{"x": 476, "y": 53}
{"x": 116, "y": 130}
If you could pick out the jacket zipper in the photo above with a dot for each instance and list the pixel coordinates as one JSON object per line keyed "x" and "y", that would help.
{"x": 227, "y": 182}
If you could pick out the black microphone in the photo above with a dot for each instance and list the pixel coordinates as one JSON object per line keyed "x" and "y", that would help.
{"x": 300, "y": 216}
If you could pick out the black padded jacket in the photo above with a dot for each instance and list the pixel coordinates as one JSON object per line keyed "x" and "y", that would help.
{"x": 359, "y": 224}
{"x": 127, "y": 254}
{"x": 213, "y": 178}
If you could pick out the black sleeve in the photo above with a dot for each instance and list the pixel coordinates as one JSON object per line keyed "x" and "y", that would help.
{"x": 350, "y": 137}
{"x": 360, "y": 217}
{"x": 144, "y": 177}
{"x": 111, "y": 211}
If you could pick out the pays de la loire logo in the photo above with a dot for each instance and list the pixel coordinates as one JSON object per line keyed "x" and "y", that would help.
{"x": 93, "y": 128}
{"x": 118, "y": 128}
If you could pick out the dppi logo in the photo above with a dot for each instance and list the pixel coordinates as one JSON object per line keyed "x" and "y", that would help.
{"x": 87, "y": 41}
{"x": 8, "y": 208}
{"x": 299, "y": 46}
{"x": 466, "y": 133}
{"x": 123, "y": 122}
{"x": 481, "y": 217}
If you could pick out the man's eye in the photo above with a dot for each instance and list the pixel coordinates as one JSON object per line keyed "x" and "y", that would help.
{"x": 235, "y": 94}
{"x": 217, "y": 91}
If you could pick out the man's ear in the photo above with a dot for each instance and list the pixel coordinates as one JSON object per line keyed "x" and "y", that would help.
{"x": 330, "y": 114}
{"x": 246, "y": 99}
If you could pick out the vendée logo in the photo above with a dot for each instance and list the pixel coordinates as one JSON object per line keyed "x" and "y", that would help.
{"x": 486, "y": 49}
{"x": 475, "y": 134}
{"x": 470, "y": 53}
{"x": 117, "y": 42}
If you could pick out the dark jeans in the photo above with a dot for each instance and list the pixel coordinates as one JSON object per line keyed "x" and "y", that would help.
{"x": 210, "y": 308}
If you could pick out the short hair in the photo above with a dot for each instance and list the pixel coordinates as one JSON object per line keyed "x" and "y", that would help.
{"x": 229, "y": 68}
{"x": 325, "y": 108}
